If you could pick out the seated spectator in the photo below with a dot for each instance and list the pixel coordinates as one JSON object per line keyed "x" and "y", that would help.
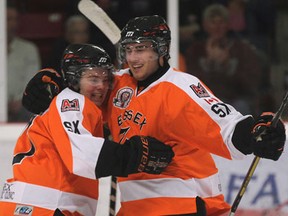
{"x": 228, "y": 65}
{"x": 23, "y": 59}
{"x": 77, "y": 30}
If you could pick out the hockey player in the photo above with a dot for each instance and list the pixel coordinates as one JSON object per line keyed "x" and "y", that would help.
{"x": 61, "y": 154}
{"x": 151, "y": 98}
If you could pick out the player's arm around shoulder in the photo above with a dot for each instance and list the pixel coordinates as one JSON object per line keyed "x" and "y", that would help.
{"x": 77, "y": 132}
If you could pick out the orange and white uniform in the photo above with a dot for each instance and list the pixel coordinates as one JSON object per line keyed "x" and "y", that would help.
{"x": 54, "y": 161}
{"x": 179, "y": 110}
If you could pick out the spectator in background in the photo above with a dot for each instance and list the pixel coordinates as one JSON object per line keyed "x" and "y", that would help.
{"x": 77, "y": 30}
{"x": 228, "y": 65}
{"x": 23, "y": 59}
{"x": 111, "y": 7}
{"x": 237, "y": 17}
{"x": 97, "y": 35}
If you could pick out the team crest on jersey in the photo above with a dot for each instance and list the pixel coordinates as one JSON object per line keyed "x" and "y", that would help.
{"x": 22, "y": 210}
{"x": 199, "y": 90}
{"x": 123, "y": 97}
{"x": 68, "y": 105}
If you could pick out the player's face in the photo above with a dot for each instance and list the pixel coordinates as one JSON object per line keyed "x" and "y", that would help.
{"x": 94, "y": 84}
{"x": 141, "y": 59}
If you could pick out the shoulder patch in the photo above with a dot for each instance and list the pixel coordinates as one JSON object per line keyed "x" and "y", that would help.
{"x": 199, "y": 90}
{"x": 68, "y": 105}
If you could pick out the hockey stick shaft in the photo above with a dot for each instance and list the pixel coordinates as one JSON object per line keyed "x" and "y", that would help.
{"x": 101, "y": 20}
{"x": 113, "y": 193}
{"x": 256, "y": 159}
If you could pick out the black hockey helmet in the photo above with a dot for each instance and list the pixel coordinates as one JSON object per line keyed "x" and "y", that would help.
{"x": 146, "y": 28}
{"x": 77, "y": 57}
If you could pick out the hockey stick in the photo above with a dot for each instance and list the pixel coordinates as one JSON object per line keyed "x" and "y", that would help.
{"x": 100, "y": 19}
{"x": 256, "y": 159}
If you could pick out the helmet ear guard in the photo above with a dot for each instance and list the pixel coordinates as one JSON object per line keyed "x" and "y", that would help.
{"x": 163, "y": 50}
{"x": 73, "y": 82}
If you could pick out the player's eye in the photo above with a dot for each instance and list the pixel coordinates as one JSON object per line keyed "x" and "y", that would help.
{"x": 138, "y": 48}
{"x": 94, "y": 79}
{"x": 141, "y": 48}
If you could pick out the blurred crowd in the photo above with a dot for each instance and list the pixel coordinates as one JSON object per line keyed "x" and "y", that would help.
{"x": 231, "y": 45}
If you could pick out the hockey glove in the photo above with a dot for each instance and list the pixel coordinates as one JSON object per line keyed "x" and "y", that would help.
{"x": 268, "y": 142}
{"x": 139, "y": 154}
{"x": 149, "y": 154}
{"x": 41, "y": 89}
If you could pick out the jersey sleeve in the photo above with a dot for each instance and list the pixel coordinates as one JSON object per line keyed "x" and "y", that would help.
{"x": 77, "y": 131}
{"x": 207, "y": 121}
